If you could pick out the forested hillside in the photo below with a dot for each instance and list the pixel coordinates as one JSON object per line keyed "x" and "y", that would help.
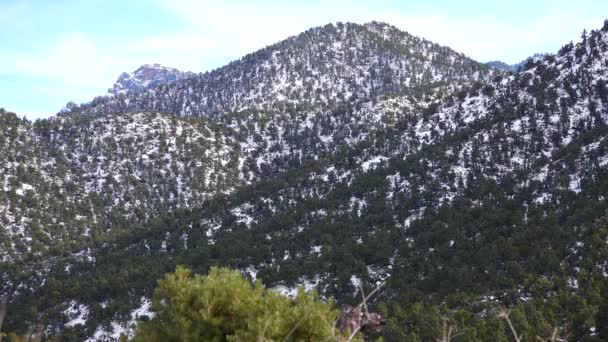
{"x": 463, "y": 191}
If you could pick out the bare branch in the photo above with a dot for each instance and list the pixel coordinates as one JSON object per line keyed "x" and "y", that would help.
{"x": 262, "y": 338}
{"x": 504, "y": 314}
{"x": 554, "y": 337}
{"x": 364, "y": 302}
{"x": 294, "y": 329}
{"x": 447, "y": 331}
{"x": 3, "y": 309}
{"x": 357, "y": 324}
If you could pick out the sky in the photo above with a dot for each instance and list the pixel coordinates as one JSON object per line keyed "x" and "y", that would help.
{"x": 57, "y": 51}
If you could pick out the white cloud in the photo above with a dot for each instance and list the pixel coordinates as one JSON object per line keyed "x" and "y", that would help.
{"x": 69, "y": 57}
{"x": 79, "y": 65}
{"x": 183, "y": 41}
{"x": 237, "y": 28}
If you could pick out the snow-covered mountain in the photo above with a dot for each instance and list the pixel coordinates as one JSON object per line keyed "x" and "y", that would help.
{"x": 500, "y": 65}
{"x": 147, "y": 76}
{"x": 320, "y": 67}
{"x": 350, "y": 154}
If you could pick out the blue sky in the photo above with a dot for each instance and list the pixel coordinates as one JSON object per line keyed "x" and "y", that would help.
{"x": 61, "y": 50}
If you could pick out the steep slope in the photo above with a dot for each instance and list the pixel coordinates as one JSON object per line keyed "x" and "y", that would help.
{"x": 84, "y": 173}
{"x": 34, "y": 190}
{"x": 70, "y": 179}
{"x": 275, "y": 141}
{"x": 320, "y": 67}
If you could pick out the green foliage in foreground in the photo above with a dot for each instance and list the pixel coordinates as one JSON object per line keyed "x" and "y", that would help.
{"x": 224, "y": 306}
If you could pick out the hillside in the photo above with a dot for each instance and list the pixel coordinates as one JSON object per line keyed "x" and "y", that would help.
{"x": 70, "y": 179}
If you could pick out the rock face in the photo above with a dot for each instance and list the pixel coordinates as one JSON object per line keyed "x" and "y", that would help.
{"x": 147, "y": 76}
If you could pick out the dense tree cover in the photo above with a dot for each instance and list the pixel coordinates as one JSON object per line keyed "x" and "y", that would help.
{"x": 82, "y": 175}
{"x": 225, "y": 306}
{"x": 67, "y": 181}
{"x": 510, "y": 258}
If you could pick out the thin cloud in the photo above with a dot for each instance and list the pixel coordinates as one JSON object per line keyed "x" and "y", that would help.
{"x": 238, "y": 28}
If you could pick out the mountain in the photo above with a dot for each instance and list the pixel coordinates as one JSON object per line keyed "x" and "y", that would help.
{"x": 320, "y": 67}
{"x": 147, "y": 76}
{"x": 131, "y": 167}
{"x": 461, "y": 192}
{"x": 515, "y": 67}
{"x": 502, "y": 66}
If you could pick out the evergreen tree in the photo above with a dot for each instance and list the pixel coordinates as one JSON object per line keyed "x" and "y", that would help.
{"x": 224, "y": 306}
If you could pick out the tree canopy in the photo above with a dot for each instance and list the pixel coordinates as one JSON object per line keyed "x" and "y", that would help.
{"x": 224, "y": 306}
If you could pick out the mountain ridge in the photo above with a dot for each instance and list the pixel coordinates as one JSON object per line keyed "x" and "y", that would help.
{"x": 500, "y": 65}
{"x": 322, "y": 66}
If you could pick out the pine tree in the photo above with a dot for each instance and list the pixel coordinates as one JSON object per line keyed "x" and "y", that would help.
{"x": 225, "y": 306}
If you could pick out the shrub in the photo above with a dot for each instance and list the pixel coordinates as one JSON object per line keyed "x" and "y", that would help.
{"x": 224, "y": 306}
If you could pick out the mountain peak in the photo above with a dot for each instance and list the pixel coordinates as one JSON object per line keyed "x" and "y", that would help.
{"x": 145, "y": 77}
{"x": 320, "y": 67}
